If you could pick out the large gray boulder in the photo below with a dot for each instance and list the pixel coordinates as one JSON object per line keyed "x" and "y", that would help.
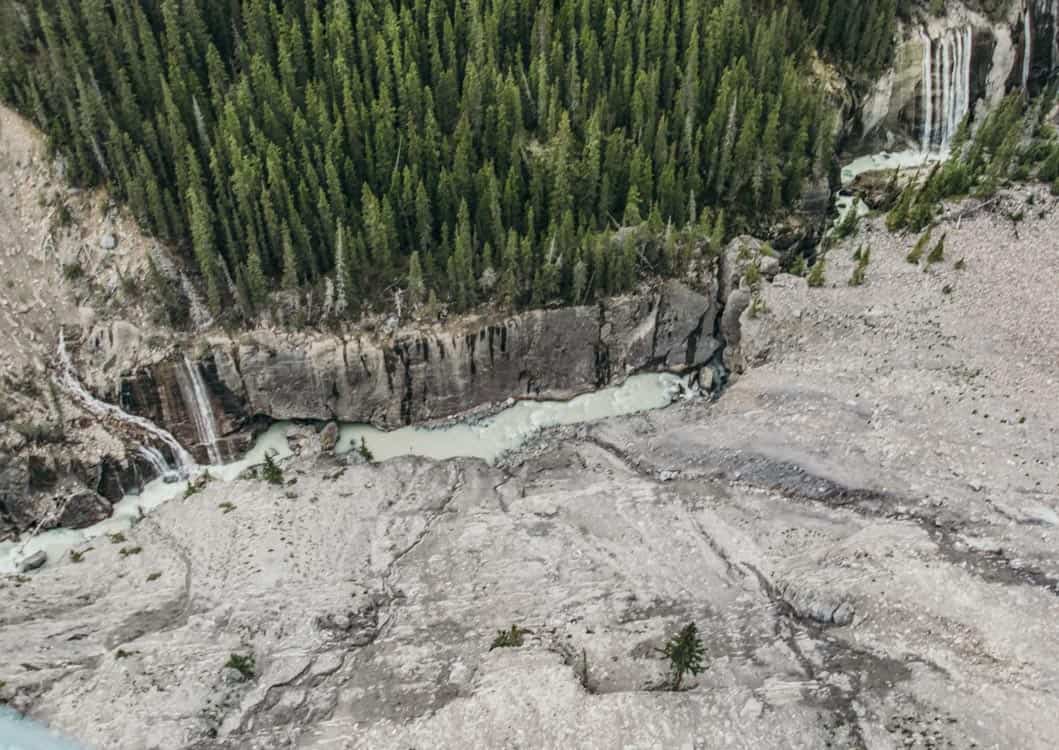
{"x": 329, "y": 438}
{"x": 33, "y": 562}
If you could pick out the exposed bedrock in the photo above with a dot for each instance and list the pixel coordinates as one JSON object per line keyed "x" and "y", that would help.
{"x": 418, "y": 375}
{"x": 70, "y": 487}
{"x": 205, "y": 416}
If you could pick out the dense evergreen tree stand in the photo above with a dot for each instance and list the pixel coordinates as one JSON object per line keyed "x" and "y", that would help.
{"x": 467, "y": 150}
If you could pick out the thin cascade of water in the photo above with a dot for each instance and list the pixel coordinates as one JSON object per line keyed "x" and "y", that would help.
{"x": 1055, "y": 34}
{"x": 69, "y": 382}
{"x": 1047, "y": 12}
{"x": 947, "y": 99}
{"x": 1027, "y": 45}
{"x": 197, "y": 400}
{"x": 928, "y": 91}
{"x": 158, "y": 462}
{"x": 154, "y": 457}
{"x": 946, "y": 87}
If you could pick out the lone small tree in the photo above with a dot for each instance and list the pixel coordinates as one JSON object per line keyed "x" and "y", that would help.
{"x": 243, "y": 664}
{"x": 920, "y": 247}
{"x": 685, "y": 652}
{"x": 937, "y": 255}
{"x": 512, "y": 638}
{"x": 365, "y": 451}
{"x": 271, "y": 472}
{"x": 816, "y": 274}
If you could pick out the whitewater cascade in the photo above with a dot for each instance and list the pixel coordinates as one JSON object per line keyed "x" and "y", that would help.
{"x": 157, "y": 460}
{"x": 69, "y": 382}
{"x": 1027, "y": 46}
{"x": 946, "y": 87}
{"x": 197, "y": 401}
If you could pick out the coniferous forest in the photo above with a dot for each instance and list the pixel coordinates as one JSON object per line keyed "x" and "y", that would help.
{"x": 460, "y": 150}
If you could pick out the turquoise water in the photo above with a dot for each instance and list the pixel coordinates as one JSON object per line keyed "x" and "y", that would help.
{"x": 19, "y": 733}
{"x": 486, "y": 439}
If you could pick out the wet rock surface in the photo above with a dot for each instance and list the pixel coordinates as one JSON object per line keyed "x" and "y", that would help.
{"x": 416, "y": 375}
{"x": 861, "y": 527}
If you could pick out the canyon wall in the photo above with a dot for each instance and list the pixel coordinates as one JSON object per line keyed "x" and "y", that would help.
{"x": 418, "y": 374}
{"x": 210, "y": 401}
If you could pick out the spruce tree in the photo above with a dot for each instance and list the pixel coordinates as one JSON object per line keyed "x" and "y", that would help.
{"x": 416, "y": 286}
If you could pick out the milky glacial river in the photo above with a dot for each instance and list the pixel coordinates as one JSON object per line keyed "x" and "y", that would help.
{"x": 486, "y": 439}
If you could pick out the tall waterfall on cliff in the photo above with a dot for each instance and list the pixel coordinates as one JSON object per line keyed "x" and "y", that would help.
{"x": 197, "y": 401}
{"x": 946, "y": 90}
{"x": 69, "y": 382}
{"x": 1027, "y": 45}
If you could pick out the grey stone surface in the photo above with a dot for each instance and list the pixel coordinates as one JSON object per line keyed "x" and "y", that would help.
{"x": 419, "y": 375}
{"x": 83, "y": 508}
{"x": 33, "y": 562}
{"x": 329, "y": 437}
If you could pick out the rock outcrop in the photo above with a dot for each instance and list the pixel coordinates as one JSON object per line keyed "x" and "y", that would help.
{"x": 60, "y": 488}
{"x": 417, "y": 375}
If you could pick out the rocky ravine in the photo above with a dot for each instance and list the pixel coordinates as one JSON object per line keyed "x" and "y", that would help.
{"x": 863, "y": 527}
{"x": 403, "y": 377}
{"x": 72, "y": 259}
{"x": 75, "y": 263}
{"x": 431, "y": 372}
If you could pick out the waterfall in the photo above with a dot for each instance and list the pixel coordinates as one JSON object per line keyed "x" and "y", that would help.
{"x": 928, "y": 91}
{"x": 154, "y": 457}
{"x": 69, "y": 382}
{"x": 1027, "y": 46}
{"x": 1045, "y": 12}
{"x": 1055, "y": 34}
{"x": 197, "y": 400}
{"x": 946, "y": 88}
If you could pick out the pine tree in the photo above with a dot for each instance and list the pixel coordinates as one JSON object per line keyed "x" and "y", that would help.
{"x": 416, "y": 286}
{"x": 937, "y": 255}
{"x": 685, "y": 652}
{"x": 920, "y": 247}
{"x": 291, "y": 271}
{"x": 816, "y": 273}
{"x": 205, "y": 249}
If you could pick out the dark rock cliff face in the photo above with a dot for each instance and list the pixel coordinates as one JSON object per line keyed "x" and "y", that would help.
{"x": 1039, "y": 45}
{"x": 421, "y": 375}
{"x": 62, "y": 490}
{"x": 418, "y": 375}
{"x": 162, "y": 394}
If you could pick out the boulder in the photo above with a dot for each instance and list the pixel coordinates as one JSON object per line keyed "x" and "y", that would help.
{"x": 83, "y": 509}
{"x": 742, "y": 252}
{"x": 108, "y": 241}
{"x": 329, "y": 438}
{"x": 33, "y": 562}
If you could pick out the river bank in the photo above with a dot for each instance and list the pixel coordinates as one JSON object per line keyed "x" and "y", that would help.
{"x": 486, "y": 438}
